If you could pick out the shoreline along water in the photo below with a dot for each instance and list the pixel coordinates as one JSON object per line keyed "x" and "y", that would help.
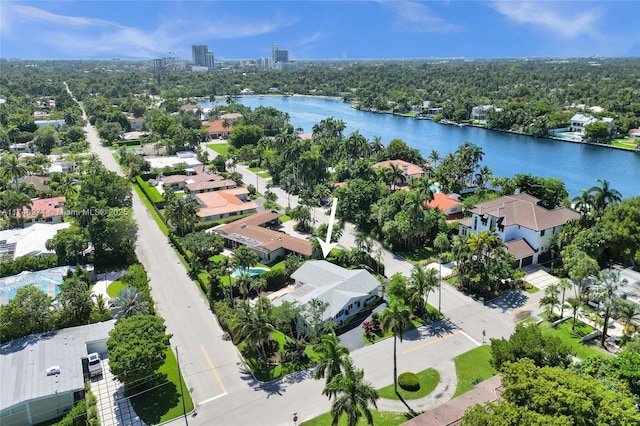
{"x": 579, "y": 165}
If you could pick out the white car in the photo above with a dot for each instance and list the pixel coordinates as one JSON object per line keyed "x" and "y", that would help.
{"x": 95, "y": 364}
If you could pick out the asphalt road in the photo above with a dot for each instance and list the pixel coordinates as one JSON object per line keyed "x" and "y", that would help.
{"x": 224, "y": 392}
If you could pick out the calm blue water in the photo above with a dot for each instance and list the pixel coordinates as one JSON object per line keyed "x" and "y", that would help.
{"x": 251, "y": 271}
{"x": 578, "y": 165}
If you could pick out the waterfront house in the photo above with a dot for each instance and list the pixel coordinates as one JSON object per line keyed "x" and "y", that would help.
{"x": 409, "y": 170}
{"x": 525, "y": 226}
{"x": 480, "y": 113}
{"x": 256, "y": 232}
{"x": 216, "y": 129}
{"x": 634, "y": 133}
{"x": 450, "y": 206}
{"x": 346, "y": 291}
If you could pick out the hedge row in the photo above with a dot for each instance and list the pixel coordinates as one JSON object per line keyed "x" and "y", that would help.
{"x": 151, "y": 193}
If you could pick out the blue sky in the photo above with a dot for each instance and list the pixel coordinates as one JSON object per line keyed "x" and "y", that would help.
{"x": 319, "y": 29}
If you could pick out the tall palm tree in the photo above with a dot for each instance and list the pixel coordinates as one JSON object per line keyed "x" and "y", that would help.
{"x": 604, "y": 291}
{"x": 433, "y": 158}
{"x": 14, "y": 204}
{"x": 423, "y": 187}
{"x": 627, "y": 312}
{"x": 181, "y": 213}
{"x": 128, "y": 303}
{"x": 583, "y": 203}
{"x": 332, "y": 357}
{"x": 244, "y": 258}
{"x": 352, "y": 396}
{"x": 255, "y": 325}
{"x": 363, "y": 242}
{"x": 14, "y": 168}
{"x": 395, "y": 175}
{"x": 397, "y": 319}
{"x": 604, "y": 195}
{"x": 564, "y": 284}
{"x": 421, "y": 284}
{"x": 441, "y": 242}
{"x": 575, "y": 303}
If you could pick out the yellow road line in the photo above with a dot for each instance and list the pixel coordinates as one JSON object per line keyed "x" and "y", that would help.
{"x": 213, "y": 368}
{"x": 424, "y": 345}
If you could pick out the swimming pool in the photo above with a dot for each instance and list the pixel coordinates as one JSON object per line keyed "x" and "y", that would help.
{"x": 251, "y": 271}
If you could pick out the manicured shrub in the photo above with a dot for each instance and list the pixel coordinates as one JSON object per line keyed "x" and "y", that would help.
{"x": 409, "y": 382}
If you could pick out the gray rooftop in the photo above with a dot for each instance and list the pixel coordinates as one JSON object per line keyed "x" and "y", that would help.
{"x": 330, "y": 283}
{"x": 24, "y": 362}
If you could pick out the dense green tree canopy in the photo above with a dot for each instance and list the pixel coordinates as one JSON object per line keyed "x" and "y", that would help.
{"x": 137, "y": 347}
{"x": 27, "y": 313}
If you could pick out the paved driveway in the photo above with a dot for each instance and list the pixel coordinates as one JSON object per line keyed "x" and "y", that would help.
{"x": 113, "y": 407}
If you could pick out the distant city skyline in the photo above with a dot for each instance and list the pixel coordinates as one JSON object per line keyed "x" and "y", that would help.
{"x": 318, "y": 29}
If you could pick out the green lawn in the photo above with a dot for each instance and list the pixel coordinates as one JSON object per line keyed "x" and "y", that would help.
{"x": 472, "y": 366}
{"x": 420, "y": 254}
{"x": 627, "y": 143}
{"x": 284, "y": 218}
{"x": 532, "y": 289}
{"x": 452, "y": 280}
{"x": 163, "y": 403}
{"x": 153, "y": 212}
{"x": 573, "y": 338}
{"x": 255, "y": 169}
{"x": 428, "y": 378}
{"x": 114, "y": 288}
{"x": 264, "y": 175}
{"x": 220, "y": 148}
{"x": 218, "y": 258}
{"x": 278, "y": 266}
{"x": 380, "y": 418}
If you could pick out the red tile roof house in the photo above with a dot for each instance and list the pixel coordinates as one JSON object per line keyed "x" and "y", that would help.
{"x": 254, "y": 232}
{"x": 450, "y": 206}
{"x": 216, "y": 130}
{"x": 524, "y": 225}
{"x": 409, "y": 170}
{"x": 43, "y": 210}
{"x": 221, "y": 204}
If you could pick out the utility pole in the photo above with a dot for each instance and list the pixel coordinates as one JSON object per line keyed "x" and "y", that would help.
{"x": 184, "y": 408}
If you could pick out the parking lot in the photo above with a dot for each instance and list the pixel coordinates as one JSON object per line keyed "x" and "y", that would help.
{"x": 113, "y": 407}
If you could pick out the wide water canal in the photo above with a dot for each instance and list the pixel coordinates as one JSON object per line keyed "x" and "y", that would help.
{"x": 578, "y": 165}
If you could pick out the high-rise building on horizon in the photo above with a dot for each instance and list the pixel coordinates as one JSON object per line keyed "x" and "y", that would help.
{"x": 278, "y": 56}
{"x": 202, "y": 56}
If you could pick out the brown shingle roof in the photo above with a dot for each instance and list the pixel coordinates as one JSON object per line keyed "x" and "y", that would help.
{"x": 520, "y": 248}
{"x": 523, "y": 210}
{"x": 249, "y": 232}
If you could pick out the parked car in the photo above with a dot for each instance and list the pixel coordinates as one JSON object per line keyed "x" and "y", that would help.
{"x": 95, "y": 364}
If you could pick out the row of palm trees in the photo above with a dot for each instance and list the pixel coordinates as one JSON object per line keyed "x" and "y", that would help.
{"x": 592, "y": 203}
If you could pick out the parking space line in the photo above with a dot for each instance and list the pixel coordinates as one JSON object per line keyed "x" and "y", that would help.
{"x": 213, "y": 368}
{"x": 440, "y": 339}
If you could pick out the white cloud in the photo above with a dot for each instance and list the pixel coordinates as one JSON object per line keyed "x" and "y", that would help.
{"x": 574, "y": 21}
{"x": 416, "y": 17}
{"x": 79, "y": 36}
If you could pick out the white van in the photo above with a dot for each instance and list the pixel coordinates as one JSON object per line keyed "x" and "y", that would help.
{"x": 95, "y": 364}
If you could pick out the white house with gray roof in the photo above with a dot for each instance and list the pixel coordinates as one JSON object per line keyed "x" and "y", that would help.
{"x": 43, "y": 375}
{"x": 347, "y": 291}
{"x": 521, "y": 222}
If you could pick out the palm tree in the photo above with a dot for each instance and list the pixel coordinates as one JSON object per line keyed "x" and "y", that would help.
{"x": 564, "y": 284}
{"x": 14, "y": 205}
{"x": 433, "y": 158}
{"x": 604, "y": 195}
{"x": 575, "y": 303}
{"x": 13, "y": 167}
{"x": 244, "y": 258}
{"x": 627, "y": 312}
{"x": 604, "y": 291}
{"x": 395, "y": 176}
{"x": 255, "y": 325}
{"x": 397, "y": 319}
{"x": 441, "y": 242}
{"x": 352, "y": 396}
{"x": 128, "y": 303}
{"x": 583, "y": 204}
{"x": 363, "y": 242}
{"x": 421, "y": 284}
{"x": 181, "y": 213}
{"x": 423, "y": 187}
{"x": 483, "y": 176}
{"x": 332, "y": 357}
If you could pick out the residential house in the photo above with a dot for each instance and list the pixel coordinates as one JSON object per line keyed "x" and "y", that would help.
{"x": 29, "y": 241}
{"x": 43, "y": 375}
{"x": 187, "y": 158}
{"x": 409, "y": 170}
{"x": 256, "y": 232}
{"x": 524, "y": 225}
{"x": 346, "y": 291}
{"x": 447, "y": 204}
{"x": 47, "y": 280}
{"x": 221, "y": 204}
{"x": 430, "y": 109}
{"x": 580, "y": 121}
{"x": 481, "y": 112}
{"x": 634, "y": 133}
{"x": 216, "y": 129}
{"x": 39, "y": 183}
{"x": 43, "y": 210}
{"x": 136, "y": 122}
{"x": 197, "y": 180}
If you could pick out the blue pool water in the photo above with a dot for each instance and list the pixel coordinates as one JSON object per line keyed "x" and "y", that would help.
{"x": 251, "y": 271}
